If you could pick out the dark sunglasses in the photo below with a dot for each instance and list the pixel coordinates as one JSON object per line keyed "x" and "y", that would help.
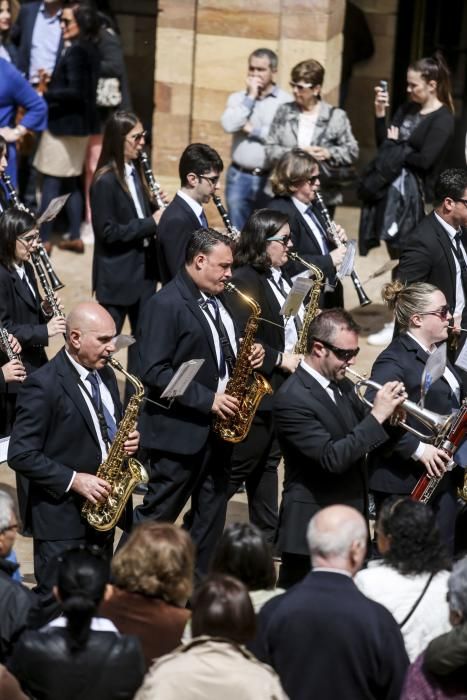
{"x": 340, "y": 353}
{"x": 312, "y": 179}
{"x": 279, "y": 239}
{"x": 300, "y": 86}
{"x": 442, "y": 312}
{"x": 139, "y": 136}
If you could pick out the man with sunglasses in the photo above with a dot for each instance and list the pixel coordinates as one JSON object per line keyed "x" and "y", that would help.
{"x": 200, "y": 168}
{"x": 436, "y": 251}
{"x": 325, "y": 433}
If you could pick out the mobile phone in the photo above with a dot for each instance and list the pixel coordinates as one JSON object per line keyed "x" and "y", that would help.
{"x": 383, "y": 85}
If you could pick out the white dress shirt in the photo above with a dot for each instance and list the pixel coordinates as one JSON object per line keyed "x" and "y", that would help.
{"x": 230, "y": 330}
{"x": 460, "y": 296}
{"x": 319, "y": 378}
{"x": 130, "y": 181}
{"x": 195, "y": 206}
{"x": 290, "y": 330}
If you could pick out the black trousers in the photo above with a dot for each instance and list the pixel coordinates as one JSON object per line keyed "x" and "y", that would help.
{"x": 47, "y": 552}
{"x": 293, "y": 568}
{"x": 255, "y": 462}
{"x": 204, "y": 477}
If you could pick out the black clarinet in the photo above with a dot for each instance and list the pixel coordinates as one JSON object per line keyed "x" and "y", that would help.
{"x": 6, "y": 345}
{"x": 153, "y": 185}
{"x": 13, "y": 195}
{"x": 331, "y": 232}
{"x": 234, "y": 232}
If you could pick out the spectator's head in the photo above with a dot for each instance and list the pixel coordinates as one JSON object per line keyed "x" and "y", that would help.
{"x": 262, "y": 64}
{"x": 429, "y": 77}
{"x": 79, "y": 20}
{"x": 419, "y": 308}
{"x": 450, "y": 196}
{"x": 82, "y": 577}
{"x": 337, "y": 538}
{"x": 243, "y": 553}
{"x": 209, "y": 260}
{"x": 123, "y": 139}
{"x": 408, "y": 537}
{"x": 19, "y": 236}
{"x": 9, "y": 524}
{"x": 199, "y": 168}
{"x": 222, "y": 608}
{"x": 332, "y": 343}
{"x": 264, "y": 240}
{"x": 7, "y": 10}
{"x": 296, "y": 174}
{"x": 306, "y": 80}
{"x": 457, "y": 593}
{"x": 156, "y": 561}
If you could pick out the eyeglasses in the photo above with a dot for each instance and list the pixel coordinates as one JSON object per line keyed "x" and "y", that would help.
{"x": 14, "y": 527}
{"x": 139, "y": 136}
{"x": 442, "y": 312}
{"x": 312, "y": 179}
{"x": 29, "y": 238}
{"x": 279, "y": 239}
{"x": 300, "y": 86}
{"x": 213, "y": 180}
{"x": 340, "y": 353}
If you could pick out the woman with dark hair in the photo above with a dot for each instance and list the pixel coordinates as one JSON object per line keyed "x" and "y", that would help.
{"x": 215, "y": 664}
{"x": 423, "y": 317}
{"x": 8, "y": 50}
{"x": 22, "y": 312}
{"x": 124, "y": 270}
{"x": 152, "y": 577}
{"x": 79, "y": 655}
{"x": 260, "y": 255}
{"x": 411, "y": 579}
{"x": 243, "y": 553}
{"x": 313, "y": 125}
{"x": 71, "y": 96}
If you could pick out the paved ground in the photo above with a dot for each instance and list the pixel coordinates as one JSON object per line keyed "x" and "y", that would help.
{"x": 75, "y": 271}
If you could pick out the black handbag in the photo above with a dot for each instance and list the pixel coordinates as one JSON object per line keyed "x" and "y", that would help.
{"x": 334, "y": 176}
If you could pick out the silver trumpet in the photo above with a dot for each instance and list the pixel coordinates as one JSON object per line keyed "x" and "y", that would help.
{"x": 437, "y": 423}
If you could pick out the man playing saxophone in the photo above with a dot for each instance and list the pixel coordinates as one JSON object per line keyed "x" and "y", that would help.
{"x": 324, "y": 433}
{"x": 190, "y": 319}
{"x": 67, "y": 415}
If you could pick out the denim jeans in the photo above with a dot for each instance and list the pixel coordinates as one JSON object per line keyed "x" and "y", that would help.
{"x": 242, "y": 192}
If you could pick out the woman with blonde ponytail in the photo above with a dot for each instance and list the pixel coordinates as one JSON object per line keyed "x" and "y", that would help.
{"x": 423, "y": 317}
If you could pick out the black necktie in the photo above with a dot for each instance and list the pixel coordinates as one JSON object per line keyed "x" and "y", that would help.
{"x": 321, "y": 232}
{"x": 204, "y": 221}
{"x": 102, "y": 410}
{"x": 343, "y": 404}
{"x": 139, "y": 191}
{"x": 24, "y": 280}
{"x": 461, "y": 260}
{"x": 226, "y": 354}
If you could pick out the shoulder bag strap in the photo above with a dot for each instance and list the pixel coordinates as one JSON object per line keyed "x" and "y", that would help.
{"x": 415, "y": 605}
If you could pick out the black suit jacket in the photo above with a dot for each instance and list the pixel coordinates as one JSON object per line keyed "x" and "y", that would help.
{"x": 53, "y": 435}
{"x": 124, "y": 270}
{"x": 306, "y": 245}
{"x": 21, "y": 315}
{"x": 22, "y": 32}
{"x": 324, "y": 452}
{"x": 255, "y": 284}
{"x": 326, "y": 640}
{"x": 71, "y": 94}
{"x": 173, "y": 329}
{"x": 176, "y": 225}
{"x": 391, "y": 468}
{"x": 428, "y": 257}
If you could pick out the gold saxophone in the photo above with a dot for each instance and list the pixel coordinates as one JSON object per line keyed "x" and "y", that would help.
{"x": 121, "y": 471}
{"x": 312, "y": 308}
{"x": 245, "y": 385}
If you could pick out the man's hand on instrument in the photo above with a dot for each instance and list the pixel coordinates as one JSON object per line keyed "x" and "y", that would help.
{"x": 434, "y": 460}
{"x": 224, "y": 405}
{"x": 340, "y": 233}
{"x": 91, "y": 487}
{"x": 14, "y": 371}
{"x": 337, "y": 255}
{"x": 14, "y": 343}
{"x": 131, "y": 445}
{"x": 387, "y": 399}
{"x": 56, "y": 326}
{"x": 257, "y": 356}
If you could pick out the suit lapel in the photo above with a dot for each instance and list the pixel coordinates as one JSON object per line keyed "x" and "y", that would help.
{"x": 22, "y": 292}
{"x": 334, "y": 416}
{"x": 188, "y": 290}
{"x": 446, "y": 246}
{"x": 193, "y": 219}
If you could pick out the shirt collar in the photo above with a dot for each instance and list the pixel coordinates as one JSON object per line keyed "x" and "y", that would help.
{"x": 20, "y": 270}
{"x": 82, "y": 371}
{"x": 450, "y": 230}
{"x": 419, "y": 343}
{"x": 301, "y": 206}
{"x": 192, "y": 203}
{"x": 315, "y": 374}
{"x": 129, "y": 168}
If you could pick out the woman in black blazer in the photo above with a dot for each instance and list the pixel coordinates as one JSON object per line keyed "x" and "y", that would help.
{"x": 124, "y": 267}
{"x": 260, "y": 255}
{"x": 22, "y": 312}
{"x": 423, "y": 317}
{"x": 71, "y": 98}
{"x": 79, "y": 652}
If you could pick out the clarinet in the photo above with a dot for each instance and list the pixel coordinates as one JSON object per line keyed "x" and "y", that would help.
{"x": 153, "y": 185}
{"x": 47, "y": 287}
{"x": 6, "y": 345}
{"x": 233, "y": 231}
{"x": 12, "y": 192}
{"x": 331, "y": 231}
